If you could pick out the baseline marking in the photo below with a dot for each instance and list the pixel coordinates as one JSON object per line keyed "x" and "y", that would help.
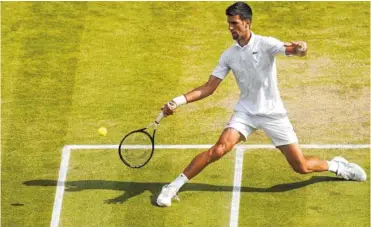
{"x": 66, "y": 152}
{"x": 206, "y": 146}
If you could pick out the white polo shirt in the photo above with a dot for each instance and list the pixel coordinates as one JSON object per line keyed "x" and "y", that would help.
{"x": 254, "y": 67}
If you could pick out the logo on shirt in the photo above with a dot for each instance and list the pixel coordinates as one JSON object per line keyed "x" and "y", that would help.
{"x": 254, "y": 52}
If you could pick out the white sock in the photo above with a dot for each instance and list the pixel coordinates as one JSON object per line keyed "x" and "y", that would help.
{"x": 179, "y": 181}
{"x": 332, "y": 166}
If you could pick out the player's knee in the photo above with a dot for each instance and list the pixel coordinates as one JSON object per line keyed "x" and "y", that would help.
{"x": 300, "y": 168}
{"x": 218, "y": 151}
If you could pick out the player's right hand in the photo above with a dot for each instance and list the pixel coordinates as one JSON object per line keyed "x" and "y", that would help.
{"x": 169, "y": 108}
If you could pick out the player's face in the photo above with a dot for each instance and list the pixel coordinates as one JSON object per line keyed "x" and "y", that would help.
{"x": 238, "y": 28}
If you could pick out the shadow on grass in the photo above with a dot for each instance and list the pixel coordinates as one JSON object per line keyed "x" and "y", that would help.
{"x": 132, "y": 189}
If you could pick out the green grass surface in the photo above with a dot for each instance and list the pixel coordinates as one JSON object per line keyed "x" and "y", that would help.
{"x": 270, "y": 187}
{"x": 70, "y": 67}
{"x": 117, "y": 194}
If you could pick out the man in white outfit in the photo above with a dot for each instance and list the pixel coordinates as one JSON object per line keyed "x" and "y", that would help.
{"x": 252, "y": 61}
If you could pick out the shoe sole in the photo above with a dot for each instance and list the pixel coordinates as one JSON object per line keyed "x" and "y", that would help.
{"x": 162, "y": 204}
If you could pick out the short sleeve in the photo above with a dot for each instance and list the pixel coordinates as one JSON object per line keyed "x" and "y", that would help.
{"x": 274, "y": 46}
{"x": 222, "y": 69}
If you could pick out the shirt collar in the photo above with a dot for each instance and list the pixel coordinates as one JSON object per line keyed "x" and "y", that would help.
{"x": 250, "y": 43}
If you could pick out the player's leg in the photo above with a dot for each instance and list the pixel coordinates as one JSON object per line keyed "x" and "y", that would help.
{"x": 338, "y": 165}
{"x": 300, "y": 163}
{"x": 283, "y": 136}
{"x": 229, "y": 138}
{"x": 236, "y": 130}
{"x": 226, "y": 142}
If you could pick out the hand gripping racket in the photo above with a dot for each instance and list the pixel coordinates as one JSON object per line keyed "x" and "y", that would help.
{"x": 137, "y": 147}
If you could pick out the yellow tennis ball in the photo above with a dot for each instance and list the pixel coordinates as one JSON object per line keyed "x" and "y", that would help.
{"x": 102, "y": 131}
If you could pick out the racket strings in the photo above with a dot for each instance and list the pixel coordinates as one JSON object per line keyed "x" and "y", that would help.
{"x": 137, "y": 148}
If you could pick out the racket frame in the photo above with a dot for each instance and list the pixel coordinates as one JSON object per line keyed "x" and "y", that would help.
{"x": 152, "y": 138}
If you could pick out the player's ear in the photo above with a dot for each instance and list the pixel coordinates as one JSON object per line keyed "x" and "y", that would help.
{"x": 248, "y": 24}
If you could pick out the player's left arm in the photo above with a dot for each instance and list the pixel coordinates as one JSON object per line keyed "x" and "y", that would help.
{"x": 298, "y": 48}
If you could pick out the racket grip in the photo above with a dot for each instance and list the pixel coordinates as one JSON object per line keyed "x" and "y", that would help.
{"x": 159, "y": 118}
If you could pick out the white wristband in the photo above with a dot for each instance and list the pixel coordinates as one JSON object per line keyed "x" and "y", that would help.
{"x": 303, "y": 46}
{"x": 180, "y": 100}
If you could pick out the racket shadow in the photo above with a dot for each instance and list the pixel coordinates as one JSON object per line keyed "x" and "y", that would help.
{"x": 132, "y": 189}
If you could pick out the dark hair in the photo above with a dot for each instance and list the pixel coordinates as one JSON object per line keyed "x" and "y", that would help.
{"x": 240, "y": 9}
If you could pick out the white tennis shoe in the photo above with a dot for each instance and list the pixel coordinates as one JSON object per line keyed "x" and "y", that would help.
{"x": 339, "y": 159}
{"x": 349, "y": 171}
{"x": 167, "y": 194}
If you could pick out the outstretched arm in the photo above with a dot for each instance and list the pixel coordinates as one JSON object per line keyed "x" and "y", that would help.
{"x": 298, "y": 48}
{"x": 194, "y": 95}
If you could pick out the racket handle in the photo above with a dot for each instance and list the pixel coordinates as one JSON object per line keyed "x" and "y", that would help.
{"x": 159, "y": 118}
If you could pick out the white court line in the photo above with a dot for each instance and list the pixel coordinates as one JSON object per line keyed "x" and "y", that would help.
{"x": 206, "y": 146}
{"x": 66, "y": 151}
{"x": 57, "y": 207}
{"x": 235, "y": 206}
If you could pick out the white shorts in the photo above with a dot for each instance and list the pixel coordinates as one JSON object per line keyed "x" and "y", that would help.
{"x": 277, "y": 127}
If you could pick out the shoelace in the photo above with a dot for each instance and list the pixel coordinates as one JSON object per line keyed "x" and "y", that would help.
{"x": 347, "y": 172}
{"x": 176, "y": 197}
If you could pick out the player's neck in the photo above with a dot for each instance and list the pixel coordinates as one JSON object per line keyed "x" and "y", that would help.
{"x": 245, "y": 39}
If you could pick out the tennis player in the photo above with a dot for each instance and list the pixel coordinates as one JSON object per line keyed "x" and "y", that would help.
{"x": 252, "y": 61}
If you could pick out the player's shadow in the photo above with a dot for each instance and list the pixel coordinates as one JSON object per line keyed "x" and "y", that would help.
{"x": 132, "y": 189}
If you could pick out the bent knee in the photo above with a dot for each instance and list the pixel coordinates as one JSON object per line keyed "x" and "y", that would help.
{"x": 301, "y": 168}
{"x": 218, "y": 151}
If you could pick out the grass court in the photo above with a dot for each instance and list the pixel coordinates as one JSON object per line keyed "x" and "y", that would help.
{"x": 69, "y": 68}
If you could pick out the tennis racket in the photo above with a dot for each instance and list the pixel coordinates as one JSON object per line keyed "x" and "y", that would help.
{"x": 137, "y": 147}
